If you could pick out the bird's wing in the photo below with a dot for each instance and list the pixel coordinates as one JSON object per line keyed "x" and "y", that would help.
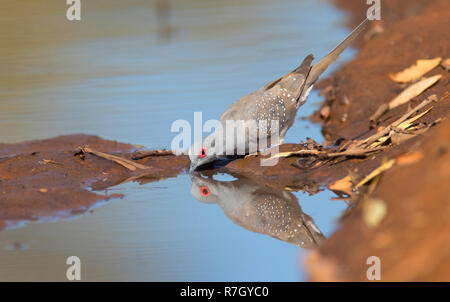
{"x": 303, "y": 69}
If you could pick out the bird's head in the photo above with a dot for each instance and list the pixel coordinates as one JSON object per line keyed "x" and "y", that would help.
{"x": 202, "y": 153}
{"x": 203, "y": 189}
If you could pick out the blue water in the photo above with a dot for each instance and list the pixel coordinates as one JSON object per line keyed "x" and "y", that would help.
{"x": 111, "y": 75}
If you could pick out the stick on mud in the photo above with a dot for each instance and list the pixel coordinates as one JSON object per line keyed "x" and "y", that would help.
{"x": 130, "y": 165}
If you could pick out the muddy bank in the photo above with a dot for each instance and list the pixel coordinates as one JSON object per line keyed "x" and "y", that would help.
{"x": 410, "y": 235}
{"x": 51, "y": 178}
{"x": 362, "y": 85}
{"x": 411, "y": 240}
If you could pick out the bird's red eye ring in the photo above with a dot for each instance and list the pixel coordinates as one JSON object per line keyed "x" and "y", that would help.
{"x": 204, "y": 191}
{"x": 203, "y": 152}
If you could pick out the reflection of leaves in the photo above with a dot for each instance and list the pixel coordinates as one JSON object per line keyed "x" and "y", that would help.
{"x": 384, "y": 166}
{"x": 343, "y": 185}
{"x": 413, "y": 91}
{"x": 415, "y": 71}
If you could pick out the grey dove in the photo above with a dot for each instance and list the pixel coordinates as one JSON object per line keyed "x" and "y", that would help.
{"x": 276, "y": 101}
{"x": 260, "y": 209}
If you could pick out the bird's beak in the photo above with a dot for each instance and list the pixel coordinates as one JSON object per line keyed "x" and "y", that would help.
{"x": 192, "y": 167}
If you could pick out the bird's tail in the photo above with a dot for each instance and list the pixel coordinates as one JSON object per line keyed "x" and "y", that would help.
{"x": 323, "y": 64}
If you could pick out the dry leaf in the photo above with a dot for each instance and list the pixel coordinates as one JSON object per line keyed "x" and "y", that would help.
{"x": 343, "y": 185}
{"x": 384, "y": 166}
{"x": 409, "y": 158}
{"x": 413, "y": 91}
{"x": 408, "y": 123}
{"x": 292, "y": 153}
{"x": 373, "y": 212}
{"x": 415, "y": 71}
{"x": 43, "y": 190}
{"x": 378, "y": 142}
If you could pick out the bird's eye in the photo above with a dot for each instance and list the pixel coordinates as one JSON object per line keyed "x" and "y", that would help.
{"x": 203, "y": 152}
{"x": 204, "y": 191}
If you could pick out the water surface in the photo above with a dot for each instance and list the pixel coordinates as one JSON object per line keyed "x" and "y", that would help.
{"x": 121, "y": 74}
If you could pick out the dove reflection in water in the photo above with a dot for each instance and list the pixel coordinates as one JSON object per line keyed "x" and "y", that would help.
{"x": 260, "y": 209}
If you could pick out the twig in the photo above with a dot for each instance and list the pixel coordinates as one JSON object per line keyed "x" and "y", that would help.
{"x": 130, "y": 165}
{"x": 325, "y": 155}
{"x": 368, "y": 141}
{"x": 143, "y": 154}
{"x": 48, "y": 161}
{"x": 385, "y": 166}
{"x": 354, "y": 152}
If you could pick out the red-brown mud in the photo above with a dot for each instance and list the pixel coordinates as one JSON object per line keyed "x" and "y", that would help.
{"x": 45, "y": 178}
{"x": 362, "y": 85}
{"x": 412, "y": 238}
